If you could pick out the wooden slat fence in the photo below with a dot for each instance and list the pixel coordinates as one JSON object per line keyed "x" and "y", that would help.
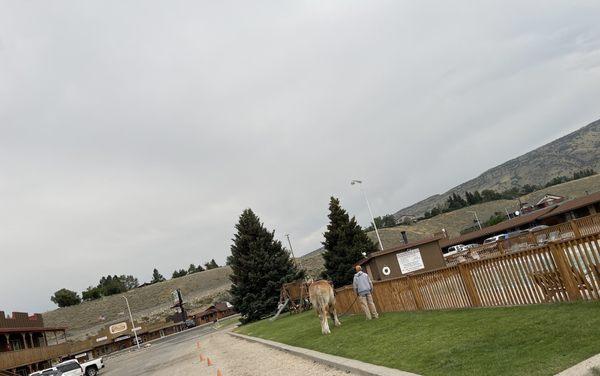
{"x": 560, "y": 271}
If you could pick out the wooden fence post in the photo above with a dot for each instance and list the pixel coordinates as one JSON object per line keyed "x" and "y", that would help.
{"x": 416, "y": 293}
{"x": 575, "y": 229}
{"x": 565, "y": 272}
{"x": 467, "y": 279}
{"x": 501, "y": 247}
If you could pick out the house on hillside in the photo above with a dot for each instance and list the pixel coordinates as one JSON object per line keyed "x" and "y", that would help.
{"x": 214, "y": 313}
{"x": 549, "y": 200}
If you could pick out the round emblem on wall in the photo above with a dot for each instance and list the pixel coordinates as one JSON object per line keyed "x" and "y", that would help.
{"x": 386, "y": 270}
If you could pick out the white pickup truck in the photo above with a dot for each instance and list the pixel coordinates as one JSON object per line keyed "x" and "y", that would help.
{"x": 73, "y": 368}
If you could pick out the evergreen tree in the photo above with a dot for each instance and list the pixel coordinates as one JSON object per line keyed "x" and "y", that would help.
{"x": 92, "y": 293}
{"x": 260, "y": 265}
{"x": 212, "y": 264}
{"x": 192, "y": 269}
{"x": 156, "y": 276}
{"x": 65, "y": 298}
{"x": 179, "y": 273}
{"x": 344, "y": 244}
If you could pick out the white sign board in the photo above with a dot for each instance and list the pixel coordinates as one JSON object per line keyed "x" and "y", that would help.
{"x": 101, "y": 339}
{"x": 410, "y": 260}
{"x": 118, "y": 328}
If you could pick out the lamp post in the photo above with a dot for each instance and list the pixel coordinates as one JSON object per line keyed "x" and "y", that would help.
{"x": 137, "y": 342}
{"x": 353, "y": 182}
{"x": 476, "y": 217}
{"x": 292, "y": 251}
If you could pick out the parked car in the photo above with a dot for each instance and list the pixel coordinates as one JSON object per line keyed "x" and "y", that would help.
{"x": 47, "y": 372}
{"x": 514, "y": 234}
{"x": 456, "y": 248}
{"x": 68, "y": 368}
{"x": 495, "y": 239}
{"x": 189, "y": 323}
{"x": 72, "y": 367}
{"x": 471, "y": 246}
{"x": 537, "y": 228}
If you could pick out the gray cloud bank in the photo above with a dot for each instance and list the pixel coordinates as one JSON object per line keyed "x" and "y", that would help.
{"x": 133, "y": 133}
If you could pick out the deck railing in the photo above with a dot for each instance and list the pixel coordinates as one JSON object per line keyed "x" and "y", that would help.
{"x": 14, "y": 359}
{"x": 583, "y": 226}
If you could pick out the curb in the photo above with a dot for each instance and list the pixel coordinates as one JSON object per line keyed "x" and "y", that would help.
{"x": 344, "y": 364}
{"x": 582, "y": 368}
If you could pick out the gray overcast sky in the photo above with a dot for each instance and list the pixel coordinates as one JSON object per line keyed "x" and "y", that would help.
{"x": 133, "y": 133}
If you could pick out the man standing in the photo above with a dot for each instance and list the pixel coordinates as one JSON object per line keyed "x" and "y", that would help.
{"x": 363, "y": 287}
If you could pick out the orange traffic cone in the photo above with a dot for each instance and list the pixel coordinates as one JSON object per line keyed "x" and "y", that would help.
{"x": 219, "y": 373}
{"x": 208, "y": 362}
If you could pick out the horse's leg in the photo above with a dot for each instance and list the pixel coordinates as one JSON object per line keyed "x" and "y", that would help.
{"x": 335, "y": 316}
{"x": 325, "y": 321}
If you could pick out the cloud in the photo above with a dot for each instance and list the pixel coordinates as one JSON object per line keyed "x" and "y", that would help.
{"x": 133, "y": 135}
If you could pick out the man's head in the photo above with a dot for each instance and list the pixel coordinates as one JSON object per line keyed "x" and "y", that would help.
{"x": 358, "y": 268}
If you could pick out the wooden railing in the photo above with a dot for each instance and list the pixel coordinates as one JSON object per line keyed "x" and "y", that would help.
{"x": 566, "y": 270}
{"x": 13, "y": 359}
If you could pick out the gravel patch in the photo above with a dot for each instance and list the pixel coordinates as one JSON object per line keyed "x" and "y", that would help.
{"x": 236, "y": 357}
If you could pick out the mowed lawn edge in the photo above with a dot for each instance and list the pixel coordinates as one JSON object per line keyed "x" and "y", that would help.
{"x": 527, "y": 340}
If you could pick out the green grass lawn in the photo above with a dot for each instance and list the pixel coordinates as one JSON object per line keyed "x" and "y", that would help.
{"x": 526, "y": 340}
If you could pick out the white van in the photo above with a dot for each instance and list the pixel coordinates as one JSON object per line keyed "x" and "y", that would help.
{"x": 495, "y": 239}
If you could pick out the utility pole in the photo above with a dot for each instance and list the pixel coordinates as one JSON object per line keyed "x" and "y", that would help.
{"x": 476, "y": 217}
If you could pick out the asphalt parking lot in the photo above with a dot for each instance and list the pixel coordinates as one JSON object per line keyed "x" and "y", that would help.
{"x": 172, "y": 355}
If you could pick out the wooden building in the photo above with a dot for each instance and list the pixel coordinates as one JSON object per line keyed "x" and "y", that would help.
{"x": 557, "y": 212}
{"x": 214, "y": 313}
{"x": 405, "y": 259}
{"x": 26, "y": 345}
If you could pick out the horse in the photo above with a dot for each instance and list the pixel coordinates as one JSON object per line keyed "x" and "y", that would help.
{"x": 323, "y": 299}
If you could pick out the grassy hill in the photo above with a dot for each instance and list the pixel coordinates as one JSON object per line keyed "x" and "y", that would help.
{"x": 149, "y": 303}
{"x": 574, "y": 152}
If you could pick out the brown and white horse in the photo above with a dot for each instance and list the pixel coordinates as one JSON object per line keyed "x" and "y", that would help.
{"x": 323, "y": 300}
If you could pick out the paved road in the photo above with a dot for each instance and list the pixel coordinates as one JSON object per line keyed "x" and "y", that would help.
{"x": 175, "y": 352}
{"x": 178, "y": 355}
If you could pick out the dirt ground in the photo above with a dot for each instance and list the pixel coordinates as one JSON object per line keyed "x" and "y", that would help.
{"x": 180, "y": 355}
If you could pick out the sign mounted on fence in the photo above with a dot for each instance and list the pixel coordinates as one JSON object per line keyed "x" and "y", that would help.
{"x": 118, "y": 328}
{"x": 410, "y": 260}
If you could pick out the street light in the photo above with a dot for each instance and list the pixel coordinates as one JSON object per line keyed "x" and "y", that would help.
{"x": 137, "y": 342}
{"x": 292, "y": 251}
{"x": 476, "y": 217}
{"x": 353, "y": 182}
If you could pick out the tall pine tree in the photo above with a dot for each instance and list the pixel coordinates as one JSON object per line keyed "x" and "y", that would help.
{"x": 260, "y": 265}
{"x": 345, "y": 241}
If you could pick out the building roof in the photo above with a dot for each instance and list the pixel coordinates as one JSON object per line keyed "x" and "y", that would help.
{"x": 32, "y": 330}
{"x": 498, "y": 228}
{"x": 400, "y": 248}
{"x": 574, "y": 204}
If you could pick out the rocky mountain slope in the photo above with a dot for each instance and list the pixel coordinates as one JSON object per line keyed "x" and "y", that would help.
{"x": 564, "y": 156}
